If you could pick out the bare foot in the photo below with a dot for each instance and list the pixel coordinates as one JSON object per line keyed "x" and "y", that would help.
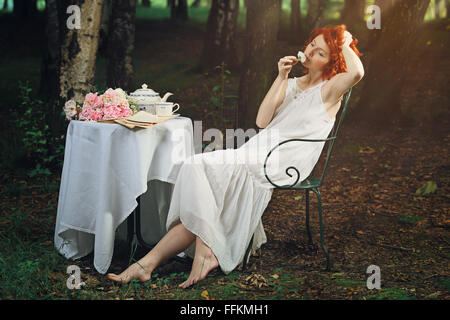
{"x": 204, "y": 262}
{"x": 135, "y": 271}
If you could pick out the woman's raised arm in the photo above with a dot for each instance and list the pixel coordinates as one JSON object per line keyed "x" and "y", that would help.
{"x": 277, "y": 92}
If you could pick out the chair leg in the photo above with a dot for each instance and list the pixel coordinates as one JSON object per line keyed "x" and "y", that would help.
{"x": 308, "y": 230}
{"x": 244, "y": 263}
{"x": 324, "y": 248}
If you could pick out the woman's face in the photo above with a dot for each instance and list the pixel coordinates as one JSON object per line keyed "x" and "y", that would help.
{"x": 317, "y": 53}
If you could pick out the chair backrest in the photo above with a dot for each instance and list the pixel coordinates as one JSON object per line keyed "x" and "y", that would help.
{"x": 334, "y": 134}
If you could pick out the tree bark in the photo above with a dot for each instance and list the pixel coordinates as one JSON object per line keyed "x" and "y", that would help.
{"x": 447, "y": 5}
{"x": 436, "y": 9}
{"x": 146, "y": 3}
{"x": 259, "y": 67}
{"x": 314, "y": 17}
{"x": 78, "y": 52}
{"x": 386, "y": 9}
{"x": 49, "y": 84}
{"x": 296, "y": 30}
{"x": 280, "y": 35}
{"x": 120, "y": 72}
{"x": 104, "y": 28}
{"x": 220, "y": 40}
{"x": 353, "y": 14}
{"x": 389, "y": 63}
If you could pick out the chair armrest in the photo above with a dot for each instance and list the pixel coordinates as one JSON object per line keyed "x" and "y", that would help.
{"x": 291, "y": 167}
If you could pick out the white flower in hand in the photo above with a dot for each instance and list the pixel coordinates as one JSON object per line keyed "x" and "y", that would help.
{"x": 301, "y": 56}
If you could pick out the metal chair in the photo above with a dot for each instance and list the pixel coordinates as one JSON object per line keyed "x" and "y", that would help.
{"x": 313, "y": 182}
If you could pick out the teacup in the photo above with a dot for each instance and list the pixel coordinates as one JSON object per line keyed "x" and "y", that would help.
{"x": 165, "y": 109}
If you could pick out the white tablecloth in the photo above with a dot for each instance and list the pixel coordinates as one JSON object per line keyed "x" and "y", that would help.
{"x": 106, "y": 167}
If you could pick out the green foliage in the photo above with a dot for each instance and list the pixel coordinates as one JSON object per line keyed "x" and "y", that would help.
{"x": 391, "y": 294}
{"x": 409, "y": 219}
{"x": 41, "y": 148}
{"x": 429, "y": 187}
{"x": 218, "y": 98}
{"x": 26, "y": 265}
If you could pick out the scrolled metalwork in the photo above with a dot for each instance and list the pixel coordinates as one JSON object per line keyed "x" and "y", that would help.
{"x": 291, "y": 167}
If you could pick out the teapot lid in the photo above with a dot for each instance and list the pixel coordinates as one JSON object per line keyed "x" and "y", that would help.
{"x": 144, "y": 90}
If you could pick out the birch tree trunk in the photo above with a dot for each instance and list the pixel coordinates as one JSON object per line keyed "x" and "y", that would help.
{"x": 221, "y": 29}
{"x": 260, "y": 63}
{"x": 120, "y": 72}
{"x": 78, "y": 52}
{"x": 380, "y": 101}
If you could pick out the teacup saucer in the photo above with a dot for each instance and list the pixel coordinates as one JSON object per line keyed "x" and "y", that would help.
{"x": 171, "y": 116}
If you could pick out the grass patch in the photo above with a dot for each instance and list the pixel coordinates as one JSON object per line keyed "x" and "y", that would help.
{"x": 391, "y": 294}
{"x": 349, "y": 282}
{"x": 408, "y": 219}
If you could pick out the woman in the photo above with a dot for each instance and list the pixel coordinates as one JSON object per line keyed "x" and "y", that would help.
{"x": 219, "y": 197}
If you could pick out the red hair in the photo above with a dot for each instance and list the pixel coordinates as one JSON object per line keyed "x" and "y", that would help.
{"x": 334, "y": 37}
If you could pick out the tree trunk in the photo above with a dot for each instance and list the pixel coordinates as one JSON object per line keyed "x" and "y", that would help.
{"x": 220, "y": 41}
{"x": 104, "y": 28}
{"x": 196, "y": 3}
{"x": 315, "y": 12}
{"x": 280, "y": 35}
{"x": 260, "y": 64}
{"x": 353, "y": 14}
{"x": 178, "y": 10}
{"x": 389, "y": 63}
{"x": 24, "y": 9}
{"x": 296, "y": 30}
{"x": 121, "y": 45}
{"x": 78, "y": 52}
{"x": 146, "y": 3}
{"x": 49, "y": 84}
{"x": 447, "y": 5}
{"x": 436, "y": 9}
{"x": 386, "y": 9}
{"x": 50, "y": 68}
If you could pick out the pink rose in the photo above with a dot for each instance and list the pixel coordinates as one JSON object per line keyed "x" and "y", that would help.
{"x": 91, "y": 100}
{"x": 110, "y": 98}
{"x": 111, "y": 112}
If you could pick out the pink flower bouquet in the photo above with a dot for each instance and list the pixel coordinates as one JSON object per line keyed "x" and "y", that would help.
{"x": 112, "y": 104}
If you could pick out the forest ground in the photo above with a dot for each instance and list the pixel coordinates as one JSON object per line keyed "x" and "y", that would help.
{"x": 371, "y": 212}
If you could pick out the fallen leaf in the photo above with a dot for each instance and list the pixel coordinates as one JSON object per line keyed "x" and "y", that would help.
{"x": 205, "y": 294}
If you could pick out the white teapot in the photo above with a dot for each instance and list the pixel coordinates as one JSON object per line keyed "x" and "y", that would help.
{"x": 146, "y": 98}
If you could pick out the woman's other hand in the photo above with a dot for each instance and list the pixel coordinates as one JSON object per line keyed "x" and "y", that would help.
{"x": 348, "y": 38}
{"x": 285, "y": 65}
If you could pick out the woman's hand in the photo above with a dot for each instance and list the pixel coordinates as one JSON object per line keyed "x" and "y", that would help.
{"x": 285, "y": 66}
{"x": 348, "y": 38}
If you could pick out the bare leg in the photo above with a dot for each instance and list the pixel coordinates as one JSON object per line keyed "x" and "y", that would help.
{"x": 175, "y": 241}
{"x": 204, "y": 262}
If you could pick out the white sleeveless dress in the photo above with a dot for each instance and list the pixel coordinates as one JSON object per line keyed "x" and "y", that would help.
{"x": 220, "y": 196}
